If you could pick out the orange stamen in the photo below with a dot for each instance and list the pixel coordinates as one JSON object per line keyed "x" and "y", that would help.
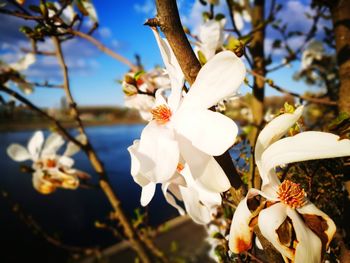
{"x": 50, "y": 163}
{"x": 180, "y": 167}
{"x": 291, "y": 194}
{"x": 161, "y": 114}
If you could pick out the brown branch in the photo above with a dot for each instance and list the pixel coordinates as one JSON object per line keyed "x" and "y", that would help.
{"x": 21, "y": 15}
{"x": 169, "y": 21}
{"x": 134, "y": 238}
{"x": 282, "y": 90}
{"x": 105, "y": 49}
{"x": 39, "y": 52}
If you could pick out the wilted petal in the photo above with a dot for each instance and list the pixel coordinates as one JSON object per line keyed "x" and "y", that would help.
{"x": 220, "y": 77}
{"x": 211, "y": 132}
{"x": 65, "y": 180}
{"x": 35, "y": 144}
{"x": 158, "y": 143}
{"x": 308, "y": 247}
{"x": 147, "y": 193}
{"x": 324, "y": 227}
{"x": 270, "y": 219}
{"x": 52, "y": 144}
{"x": 305, "y": 146}
{"x": 241, "y": 233}
{"x": 18, "y": 153}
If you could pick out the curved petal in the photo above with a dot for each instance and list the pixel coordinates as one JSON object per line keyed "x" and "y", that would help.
{"x": 304, "y": 146}
{"x": 147, "y": 193}
{"x": 66, "y": 161}
{"x": 18, "y": 153}
{"x": 170, "y": 198}
{"x": 239, "y": 21}
{"x": 158, "y": 143}
{"x": 35, "y": 144}
{"x": 204, "y": 169}
{"x": 308, "y": 247}
{"x": 52, "y": 144}
{"x": 211, "y": 132}
{"x": 274, "y": 130}
{"x": 40, "y": 184}
{"x": 65, "y": 180}
{"x": 72, "y": 148}
{"x": 176, "y": 76}
{"x": 220, "y": 77}
{"x": 270, "y": 219}
{"x": 240, "y": 238}
{"x": 210, "y": 34}
{"x": 311, "y": 209}
{"x": 140, "y": 165}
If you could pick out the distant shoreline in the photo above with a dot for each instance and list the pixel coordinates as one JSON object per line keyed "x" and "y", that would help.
{"x": 23, "y": 126}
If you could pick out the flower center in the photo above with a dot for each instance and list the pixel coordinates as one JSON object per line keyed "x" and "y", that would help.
{"x": 291, "y": 194}
{"x": 50, "y": 163}
{"x": 180, "y": 167}
{"x": 161, "y": 114}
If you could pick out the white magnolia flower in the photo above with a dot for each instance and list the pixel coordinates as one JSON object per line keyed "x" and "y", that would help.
{"x": 138, "y": 92}
{"x": 51, "y": 170}
{"x": 211, "y": 36}
{"x": 314, "y": 52}
{"x": 23, "y": 63}
{"x": 286, "y": 205}
{"x": 199, "y": 203}
{"x": 184, "y": 129}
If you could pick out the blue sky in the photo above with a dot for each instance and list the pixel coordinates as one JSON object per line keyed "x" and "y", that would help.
{"x": 93, "y": 74}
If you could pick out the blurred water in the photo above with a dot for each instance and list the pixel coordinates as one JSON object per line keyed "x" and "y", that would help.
{"x": 71, "y": 214}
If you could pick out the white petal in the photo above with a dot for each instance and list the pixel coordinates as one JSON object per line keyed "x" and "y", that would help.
{"x": 141, "y": 102}
{"x": 240, "y": 238}
{"x": 304, "y": 146}
{"x": 209, "y": 35}
{"x": 211, "y": 132}
{"x": 174, "y": 70}
{"x": 66, "y": 161}
{"x": 220, "y": 77}
{"x": 66, "y": 180}
{"x": 158, "y": 143}
{"x": 274, "y": 130}
{"x": 35, "y": 144}
{"x": 239, "y": 21}
{"x": 89, "y": 6}
{"x": 170, "y": 198}
{"x": 18, "y": 153}
{"x": 271, "y": 133}
{"x": 24, "y": 62}
{"x": 72, "y": 148}
{"x": 52, "y": 144}
{"x": 308, "y": 248}
{"x": 141, "y": 165}
{"x": 311, "y": 209}
{"x": 270, "y": 219}
{"x": 204, "y": 169}
{"x": 147, "y": 193}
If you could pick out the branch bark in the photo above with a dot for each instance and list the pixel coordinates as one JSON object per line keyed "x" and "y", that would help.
{"x": 340, "y": 11}
{"x": 169, "y": 21}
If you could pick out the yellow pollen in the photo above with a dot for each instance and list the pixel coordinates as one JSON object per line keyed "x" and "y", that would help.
{"x": 180, "y": 167}
{"x": 291, "y": 194}
{"x": 161, "y": 114}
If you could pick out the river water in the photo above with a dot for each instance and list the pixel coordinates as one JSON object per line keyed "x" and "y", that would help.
{"x": 70, "y": 215}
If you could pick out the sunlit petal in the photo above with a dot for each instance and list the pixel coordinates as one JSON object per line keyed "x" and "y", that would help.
{"x": 220, "y": 77}
{"x": 147, "y": 193}
{"x": 304, "y": 146}
{"x": 52, "y": 144}
{"x": 18, "y": 153}
{"x": 72, "y": 148}
{"x": 211, "y": 132}
{"x": 41, "y": 185}
{"x": 35, "y": 144}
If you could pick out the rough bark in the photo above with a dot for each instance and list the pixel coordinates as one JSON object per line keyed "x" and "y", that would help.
{"x": 340, "y": 11}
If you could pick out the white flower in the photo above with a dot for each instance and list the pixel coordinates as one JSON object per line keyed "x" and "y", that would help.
{"x": 184, "y": 129}
{"x": 51, "y": 170}
{"x": 141, "y": 102}
{"x": 286, "y": 204}
{"x": 211, "y": 36}
{"x": 314, "y": 52}
{"x": 23, "y": 63}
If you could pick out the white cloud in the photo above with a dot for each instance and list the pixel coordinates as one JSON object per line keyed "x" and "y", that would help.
{"x": 147, "y": 8}
{"x": 105, "y": 32}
